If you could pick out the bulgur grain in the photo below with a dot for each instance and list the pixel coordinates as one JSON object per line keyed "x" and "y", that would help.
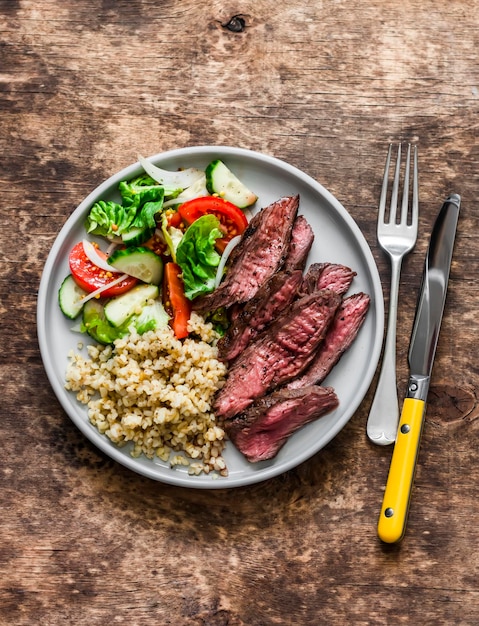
{"x": 156, "y": 392}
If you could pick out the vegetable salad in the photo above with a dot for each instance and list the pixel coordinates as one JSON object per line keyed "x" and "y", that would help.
{"x": 163, "y": 245}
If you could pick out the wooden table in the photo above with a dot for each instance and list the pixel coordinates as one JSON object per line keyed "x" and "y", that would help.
{"x": 325, "y": 86}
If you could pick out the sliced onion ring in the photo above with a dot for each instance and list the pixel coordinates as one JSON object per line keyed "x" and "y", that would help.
{"x": 181, "y": 178}
{"x": 196, "y": 190}
{"x": 93, "y": 256}
{"x": 100, "y": 290}
{"x": 230, "y": 246}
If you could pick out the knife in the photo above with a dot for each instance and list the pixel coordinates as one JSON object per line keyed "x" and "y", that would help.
{"x": 422, "y": 349}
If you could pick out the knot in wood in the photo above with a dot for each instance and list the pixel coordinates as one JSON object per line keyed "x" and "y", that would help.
{"x": 236, "y": 24}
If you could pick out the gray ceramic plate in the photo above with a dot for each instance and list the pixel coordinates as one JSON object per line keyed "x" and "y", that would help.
{"x": 337, "y": 239}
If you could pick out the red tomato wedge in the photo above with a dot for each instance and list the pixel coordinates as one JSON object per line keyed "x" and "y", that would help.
{"x": 233, "y": 221}
{"x": 175, "y": 302}
{"x": 91, "y": 277}
{"x": 174, "y": 219}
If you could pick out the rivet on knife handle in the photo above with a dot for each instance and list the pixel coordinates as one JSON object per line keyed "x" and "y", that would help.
{"x": 394, "y": 511}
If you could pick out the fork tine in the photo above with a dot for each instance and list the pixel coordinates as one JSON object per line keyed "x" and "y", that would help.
{"x": 405, "y": 192}
{"x": 395, "y": 191}
{"x": 384, "y": 189}
{"x": 415, "y": 191}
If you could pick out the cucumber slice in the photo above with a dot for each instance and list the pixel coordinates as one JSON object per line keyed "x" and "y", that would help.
{"x": 137, "y": 236}
{"x": 96, "y": 324}
{"x": 70, "y": 297}
{"x": 142, "y": 263}
{"x": 100, "y": 330}
{"x": 119, "y": 309}
{"x": 221, "y": 181}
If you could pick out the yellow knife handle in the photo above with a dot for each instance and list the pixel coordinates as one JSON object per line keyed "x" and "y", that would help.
{"x": 394, "y": 511}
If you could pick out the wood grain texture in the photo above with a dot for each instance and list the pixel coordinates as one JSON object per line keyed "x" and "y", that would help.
{"x": 84, "y": 87}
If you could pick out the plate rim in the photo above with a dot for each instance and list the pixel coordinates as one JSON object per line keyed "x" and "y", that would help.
{"x": 177, "y": 478}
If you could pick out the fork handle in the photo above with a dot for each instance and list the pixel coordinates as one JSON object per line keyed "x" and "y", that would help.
{"x": 384, "y": 414}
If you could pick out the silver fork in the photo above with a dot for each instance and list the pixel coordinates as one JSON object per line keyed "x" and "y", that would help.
{"x": 397, "y": 236}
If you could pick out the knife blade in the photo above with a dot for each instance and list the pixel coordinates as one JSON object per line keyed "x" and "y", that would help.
{"x": 422, "y": 349}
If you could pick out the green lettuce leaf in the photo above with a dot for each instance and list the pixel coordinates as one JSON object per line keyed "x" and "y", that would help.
{"x": 109, "y": 218}
{"x": 144, "y": 189}
{"x": 145, "y": 217}
{"x": 151, "y": 317}
{"x": 197, "y": 256}
{"x": 172, "y": 236}
{"x": 141, "y": 201}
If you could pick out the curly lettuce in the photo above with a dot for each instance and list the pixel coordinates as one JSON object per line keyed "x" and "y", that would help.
{"x": 109, "y": 219}
{"x": 142, "y": 189}
{"x": 197, "y": 256}
{"x": 141, "y": 202}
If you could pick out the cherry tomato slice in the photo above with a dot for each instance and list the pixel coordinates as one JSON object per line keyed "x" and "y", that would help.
{"x": 90, "y": 277}
{"x": 174, "y": 219}
{"x": 157, "y": 244}
{"x": 233, "y": 221}
{"x": 176, "y": 303}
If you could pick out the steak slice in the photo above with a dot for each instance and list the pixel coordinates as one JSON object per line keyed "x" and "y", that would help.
{"x": 342, "y": 332}
{"x": 333, "y": 276}
{"x": 260, "y": 253}
{"x": 262, "y": 429}
{"x": 279, "y": 354}
{"x": 302, "y": 238}
{"x": 272, "y": 298}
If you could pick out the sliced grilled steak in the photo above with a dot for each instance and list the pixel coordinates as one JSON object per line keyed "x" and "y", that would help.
{"x": 261, "y": 252}
{"x": 332, "y": 276}
{"x": 302, "y": 238}
{"x": 272, "y": 298}
{"x": 262, "y": 429}
{"x": 279, "y": 354}
{"x": 342, "y": 332}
